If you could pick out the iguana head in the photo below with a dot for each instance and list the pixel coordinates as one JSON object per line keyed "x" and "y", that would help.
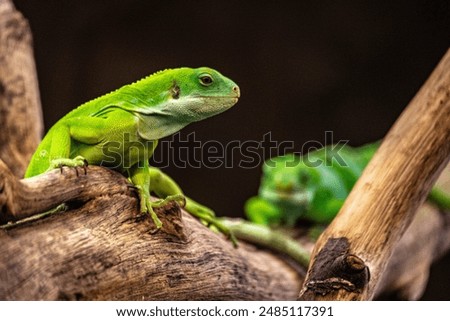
{"x": 190, "y": 94}
{"x": 203, "y": 92}
{"x": 287, "y": 188}
{"x": 170, "y": 99}
{"x": 288, "y": 179}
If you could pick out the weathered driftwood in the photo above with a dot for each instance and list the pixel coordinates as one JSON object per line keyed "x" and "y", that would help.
{"x": 20, "y": 108}
{"x": 351, "y": 255}
{"x": 22, "y": 199}
{"x": 104, "y": 249}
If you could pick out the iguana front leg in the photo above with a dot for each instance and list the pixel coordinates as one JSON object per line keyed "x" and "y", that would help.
{"x": 85, "y": 130}
{"x": 140, "y": 176}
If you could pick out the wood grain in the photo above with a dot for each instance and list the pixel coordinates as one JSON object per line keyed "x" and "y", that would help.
{"x": 102, "y": 248}
{"x": 21, "y": 124}
{"x": 106, "y": 250}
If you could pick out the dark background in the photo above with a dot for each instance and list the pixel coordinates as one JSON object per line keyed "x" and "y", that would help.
{"x": 304, "y": 68}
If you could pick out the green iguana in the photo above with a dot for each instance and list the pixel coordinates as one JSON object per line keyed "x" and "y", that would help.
{"x": 120, "y": 130}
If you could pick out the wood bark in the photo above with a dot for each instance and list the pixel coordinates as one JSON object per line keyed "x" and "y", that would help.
{"x": 105, "y": 249}
{"x": 102, "y": 248}
{"x": 20, "y": 108}
{"x": 351, "y": 255}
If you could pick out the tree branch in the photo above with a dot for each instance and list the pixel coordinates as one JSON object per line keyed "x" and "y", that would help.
{"x": 21, "y": 199}
{"x": 383, "y": 202}
{"x": 106, "y": 250}
{"x": 20, "y": 107}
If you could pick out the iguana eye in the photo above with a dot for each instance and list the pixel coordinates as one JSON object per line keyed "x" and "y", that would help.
{"x": 206, "y": 80}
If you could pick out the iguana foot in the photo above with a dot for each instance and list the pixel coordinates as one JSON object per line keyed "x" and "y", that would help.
{"x": 179, "y": 198}
{"x": 213, "y": 221}
{"x": 147, "y": 205}
{"x": 69, "y": 162}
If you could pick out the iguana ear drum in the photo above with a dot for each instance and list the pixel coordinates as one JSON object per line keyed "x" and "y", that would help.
{"x": 175, "y": 90}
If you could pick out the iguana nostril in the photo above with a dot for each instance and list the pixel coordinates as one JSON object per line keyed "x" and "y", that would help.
{"x": 237, "y": 90}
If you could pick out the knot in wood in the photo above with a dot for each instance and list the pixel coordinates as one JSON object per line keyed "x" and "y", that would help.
{"x": 335, "y": 268}
{"x": 354, "y": 263}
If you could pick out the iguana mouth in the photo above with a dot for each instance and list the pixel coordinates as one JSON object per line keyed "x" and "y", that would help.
{"x": 235, "y": 94}
{"x": 234, "y": 97}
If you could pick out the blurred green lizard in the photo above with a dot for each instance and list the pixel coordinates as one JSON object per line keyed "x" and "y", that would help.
{"x": 313, "y": 186}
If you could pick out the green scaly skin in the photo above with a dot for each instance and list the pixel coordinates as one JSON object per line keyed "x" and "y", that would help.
{"x": 120, "y": 130}
{"x": 314, "y": 186}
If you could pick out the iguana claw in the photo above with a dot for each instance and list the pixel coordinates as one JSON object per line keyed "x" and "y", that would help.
{"x": 147, "y": 205}
{"x": 69, "y": 162}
